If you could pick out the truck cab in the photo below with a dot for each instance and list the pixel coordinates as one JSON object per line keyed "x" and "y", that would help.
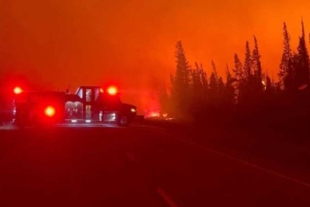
{"x": 94, "y": 104}
{"x": 90, "y": 104}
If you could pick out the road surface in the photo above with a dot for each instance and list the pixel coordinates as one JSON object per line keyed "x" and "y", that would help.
{"x": 136, "y": 166}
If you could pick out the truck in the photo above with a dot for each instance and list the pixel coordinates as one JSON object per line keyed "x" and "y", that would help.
{"x": 89, "y": 105}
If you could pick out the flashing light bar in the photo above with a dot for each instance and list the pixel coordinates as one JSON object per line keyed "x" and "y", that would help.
{"x": 17, "y": 90}
{"x": 49, "y": 111}
{"x": 112, "y": 90}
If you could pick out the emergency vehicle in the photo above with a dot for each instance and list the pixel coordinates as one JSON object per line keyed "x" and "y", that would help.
{"x": 90, "y": 104}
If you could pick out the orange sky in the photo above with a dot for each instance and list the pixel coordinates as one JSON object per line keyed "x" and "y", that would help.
{"x": 92, "y": 41}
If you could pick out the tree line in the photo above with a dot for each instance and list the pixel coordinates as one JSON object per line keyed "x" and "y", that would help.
{"x": 245, "y": 89}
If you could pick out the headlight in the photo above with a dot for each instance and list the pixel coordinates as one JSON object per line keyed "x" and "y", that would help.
{"x": 133, "y": 110}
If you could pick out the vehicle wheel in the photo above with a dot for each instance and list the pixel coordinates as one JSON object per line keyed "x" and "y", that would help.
{"x": 123, "y": 120}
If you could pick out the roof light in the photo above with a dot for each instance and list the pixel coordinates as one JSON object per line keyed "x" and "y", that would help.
{"x": 49, "y": 111}
{"x": 112, "y": 90}
{"x": 17, "y": 90}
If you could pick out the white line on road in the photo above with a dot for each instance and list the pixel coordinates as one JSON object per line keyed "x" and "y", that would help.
{"x": 166, "y": 198}
{"x": 148, "y": 127}
{"x": 247, "y": 163}
{"x": 95, "y": 125}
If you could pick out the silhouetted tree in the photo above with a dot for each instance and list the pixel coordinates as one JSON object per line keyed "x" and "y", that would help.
{"x": 246, "y": 85}
{"x": 269, "y": 86}
{"x": 197, "y": 89}
{"x": 214, "y": 69}
{"x": 221, "y": 92}
{"x": 238, "y": 76}
{"x": 286, "y": 73}
{"x": 229, "y": 88}
{"x": 238, "y": 69}
{"x": 180, "y": 93}
{"x": 258, "y": 75}
{"x": 213, "y": 85}
{"x": 196, "y": 79}
{"x": 302, "y": 65}
{"x": 200, "y": 89}
{"x": 248, "y": 88}
{"x": 247, "y": 62}
{"x": 205, "y": 84}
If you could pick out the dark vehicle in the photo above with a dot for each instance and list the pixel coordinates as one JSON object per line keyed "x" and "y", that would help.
{"x": 39, "y": 108}
{"x": 6, "y": 112}
{"x": 94, "y": 104}
{"x": 90, "y": 104}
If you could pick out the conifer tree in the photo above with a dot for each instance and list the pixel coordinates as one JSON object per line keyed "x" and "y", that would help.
{"x": 181, "y": 82}
{"x": 302, "y": 66}
{"x": 286, "y": 73}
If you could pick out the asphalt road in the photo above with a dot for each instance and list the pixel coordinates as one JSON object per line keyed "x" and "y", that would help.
{"x": 136, "y": 166}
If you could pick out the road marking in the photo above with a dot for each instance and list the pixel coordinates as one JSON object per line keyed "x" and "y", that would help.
{"x": 130, "y": 157}
{"x": 247, "y": 163}
{"x": 148, "y": 127}
{"x": 82, "y": 125}
{"x": 166, "y": 198}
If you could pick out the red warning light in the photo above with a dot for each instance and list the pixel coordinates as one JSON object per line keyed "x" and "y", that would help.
{"x": 18, "y": 90}
{"x": 112, "y": 90}
{"x": 101, "y": 90}
{"x": 49, "y": 111}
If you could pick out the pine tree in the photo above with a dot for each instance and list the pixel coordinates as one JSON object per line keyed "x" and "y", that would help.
{"x": 239, "y": 78}
{"x": 182, "y": 77}
{"x": 229, "y": 88}
{"x": 249, "y": 84}
{"x": 302, "y": 67}
{"x": 196, "y": 77}
{"x": 181, "y": 83}
{"x": 205, "y": 84}
{"x": 269, "y": 90}
{"x": 213, "y": 88}
{"x": 258, "y": 76}
{"x": 221, "y": 91}
{"x": 213, "y": 81}
{"x": 238, "y": 69}
{"x": 247, "y": 62}
{"x": 287, "y": 73}
{"x": 197, "y": 88}
{"x": 268, "y": 84}
{"x": 214, "y": 69}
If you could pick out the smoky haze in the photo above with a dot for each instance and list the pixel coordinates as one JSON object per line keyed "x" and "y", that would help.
{"x": 84, "y": 42}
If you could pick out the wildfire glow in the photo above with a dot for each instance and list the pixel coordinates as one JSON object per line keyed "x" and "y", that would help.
{"x": 153, "y": 114}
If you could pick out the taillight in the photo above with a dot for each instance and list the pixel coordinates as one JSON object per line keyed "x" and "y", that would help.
{"x": 49, "y": 111}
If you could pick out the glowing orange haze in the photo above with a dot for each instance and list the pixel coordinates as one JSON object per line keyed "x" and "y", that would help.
{"x": 92, "y": 41}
